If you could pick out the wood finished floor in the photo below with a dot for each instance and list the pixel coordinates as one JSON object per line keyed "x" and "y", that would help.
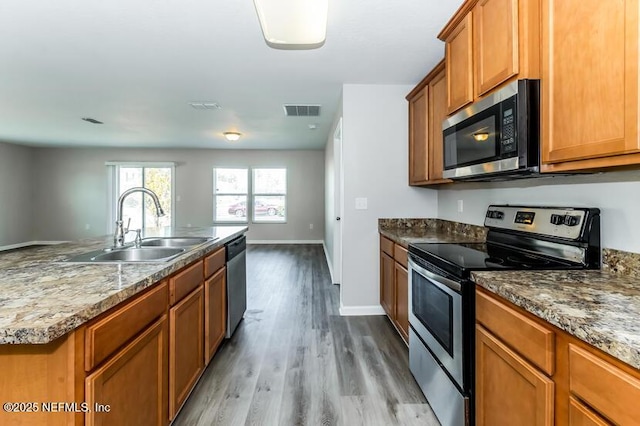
{"x": 295, "y": 361}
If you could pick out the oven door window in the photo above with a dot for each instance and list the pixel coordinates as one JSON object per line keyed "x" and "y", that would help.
{"x": 473, "y": 141}
{"x": 434, "y": 309}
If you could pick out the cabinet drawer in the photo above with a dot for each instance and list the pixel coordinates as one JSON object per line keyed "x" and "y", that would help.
{"x": 605, "y": 387}
{"x": 185, "y": 281}
{"x": 386, "y": 245}
{"x": 532, "y": 340}
{"x": 213, "y": 262}
{"x": 108, "y": 334}
{"x": 400, "y": 255}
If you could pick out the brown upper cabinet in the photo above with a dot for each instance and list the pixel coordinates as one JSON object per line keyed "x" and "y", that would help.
{"x": 427, "y": 110}
{"x": 487, "y": 43}
{"x": 589, "y": 113}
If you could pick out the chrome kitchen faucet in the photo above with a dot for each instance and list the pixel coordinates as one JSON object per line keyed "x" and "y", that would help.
{"x": 118, "y": 237}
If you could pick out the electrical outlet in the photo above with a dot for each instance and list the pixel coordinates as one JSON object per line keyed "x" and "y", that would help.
{"x": 87, "y": 226}
{"x": 311, "y": 226}
{"x": 361, "y": 203}
{"x": 460, "y": 206}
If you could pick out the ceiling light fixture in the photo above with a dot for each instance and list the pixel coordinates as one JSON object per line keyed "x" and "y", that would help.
{"x": 232, "y": 136}
{"x": 293, "y": 24}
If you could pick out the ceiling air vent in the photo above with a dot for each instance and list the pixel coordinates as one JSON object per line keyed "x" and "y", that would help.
{"x": 302, "y": 110}
{"x": 205, "y": 105}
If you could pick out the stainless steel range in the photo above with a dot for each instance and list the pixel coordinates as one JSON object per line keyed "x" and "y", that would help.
{"x": 442, "y": 297}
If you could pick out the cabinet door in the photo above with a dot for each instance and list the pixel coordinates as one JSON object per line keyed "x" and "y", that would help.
{"x": 402, "y": 300}
{"x": 215, "y": 313}
{"x": 495, "y": 43}
{"x": 132, "y": 384}
{"x": 185, "y": 348}
{"x": 509, "y": 391}
{"x": 418, "y": 138}
{"x": 581, "y": 415}
{"x": 387, "y": 296}
{"x": 589, "y": 82}
{"x": 437, "y": 114}
{"x": 459, "y": 62}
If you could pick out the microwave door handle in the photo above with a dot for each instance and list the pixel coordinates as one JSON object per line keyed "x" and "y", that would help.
{"x": 437, "y": 279}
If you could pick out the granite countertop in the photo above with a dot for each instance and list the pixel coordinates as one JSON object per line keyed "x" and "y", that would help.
{"x": 597, "y": 307}
{"x": 42, "y": 297}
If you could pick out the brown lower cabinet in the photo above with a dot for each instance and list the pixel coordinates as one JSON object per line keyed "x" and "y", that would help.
{"x": 394, "y": 285}
{"x": 529, "y": 372}
{"x": 401, "y": 278}
{"x": 186, "y": 342}
{"x": 510, "y": 390}
{"x": 131, "y": 388}
{"x": 215, "y": 313}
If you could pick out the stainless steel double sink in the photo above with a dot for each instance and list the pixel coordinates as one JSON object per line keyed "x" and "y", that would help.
{"x": 154, "y": 249}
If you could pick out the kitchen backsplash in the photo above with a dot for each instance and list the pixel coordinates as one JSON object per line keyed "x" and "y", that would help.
{"x": 621, "y": 262}
{"x": 474, "y": 231}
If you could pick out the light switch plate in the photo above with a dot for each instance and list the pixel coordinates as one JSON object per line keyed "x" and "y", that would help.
{"x": 361, "y": 203}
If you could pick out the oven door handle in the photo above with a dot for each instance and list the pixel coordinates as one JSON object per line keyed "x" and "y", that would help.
{"x": 437, "y": 279}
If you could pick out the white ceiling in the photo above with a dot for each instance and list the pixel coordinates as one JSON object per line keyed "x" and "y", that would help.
{"x": 136, "y": 65}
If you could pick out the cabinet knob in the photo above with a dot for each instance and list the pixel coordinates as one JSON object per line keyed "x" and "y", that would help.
{"x": 337, "y": 217}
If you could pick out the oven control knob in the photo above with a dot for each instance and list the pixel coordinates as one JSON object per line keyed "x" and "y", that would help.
{"x": 557, "y": 219}
{"x": 571, "y": 220}
{"x": 498, "y": 214}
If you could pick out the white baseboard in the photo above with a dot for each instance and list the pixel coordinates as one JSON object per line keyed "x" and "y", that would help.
{"x": 30, "y": 243}
{"x": 326, "y": 254}
{"x": 284, "y": 242}
{"x": 353, "y": 311}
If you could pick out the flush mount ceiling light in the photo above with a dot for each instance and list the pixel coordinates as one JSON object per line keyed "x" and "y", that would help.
{"x": 293, "y": 24}
{"x": 232, "y": 136}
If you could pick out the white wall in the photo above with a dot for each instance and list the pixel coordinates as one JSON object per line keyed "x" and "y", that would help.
{"x": 16, "y": 194}
{"x": 375, "y": 158}
{"x": 616, "y": 194}
{"x": 71, "y": 189}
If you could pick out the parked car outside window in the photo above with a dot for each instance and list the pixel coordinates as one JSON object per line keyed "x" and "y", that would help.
{"x": 260, "y": 208}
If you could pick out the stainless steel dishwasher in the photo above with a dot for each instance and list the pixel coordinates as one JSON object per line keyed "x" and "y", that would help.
{"x": 236, "y": 282}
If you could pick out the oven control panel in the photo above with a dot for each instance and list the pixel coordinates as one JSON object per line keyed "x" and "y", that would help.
{"x": 551, "y": 221}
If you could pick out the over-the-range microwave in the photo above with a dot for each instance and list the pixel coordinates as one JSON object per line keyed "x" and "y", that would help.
{"x": 497, "y": 137}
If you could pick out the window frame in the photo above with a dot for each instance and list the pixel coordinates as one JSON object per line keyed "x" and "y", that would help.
{"x": 113, "y": 183}
{"x": 215, "y": 194}
{"x": 249, "y": 217}
{"x": 261, "y": 194}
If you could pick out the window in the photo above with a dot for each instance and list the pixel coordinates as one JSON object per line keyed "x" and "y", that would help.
{"x": 230, "y": 193}
{"x": 269, "y": 195}
{"x": 232, "y": 203}
{"x": 139, "y": 207}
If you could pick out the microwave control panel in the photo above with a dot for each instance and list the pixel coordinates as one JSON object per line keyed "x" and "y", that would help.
{"x": 508, "y": 137}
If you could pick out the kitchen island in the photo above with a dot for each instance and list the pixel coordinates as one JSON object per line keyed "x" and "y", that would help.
{"x": 103, "y": 341}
